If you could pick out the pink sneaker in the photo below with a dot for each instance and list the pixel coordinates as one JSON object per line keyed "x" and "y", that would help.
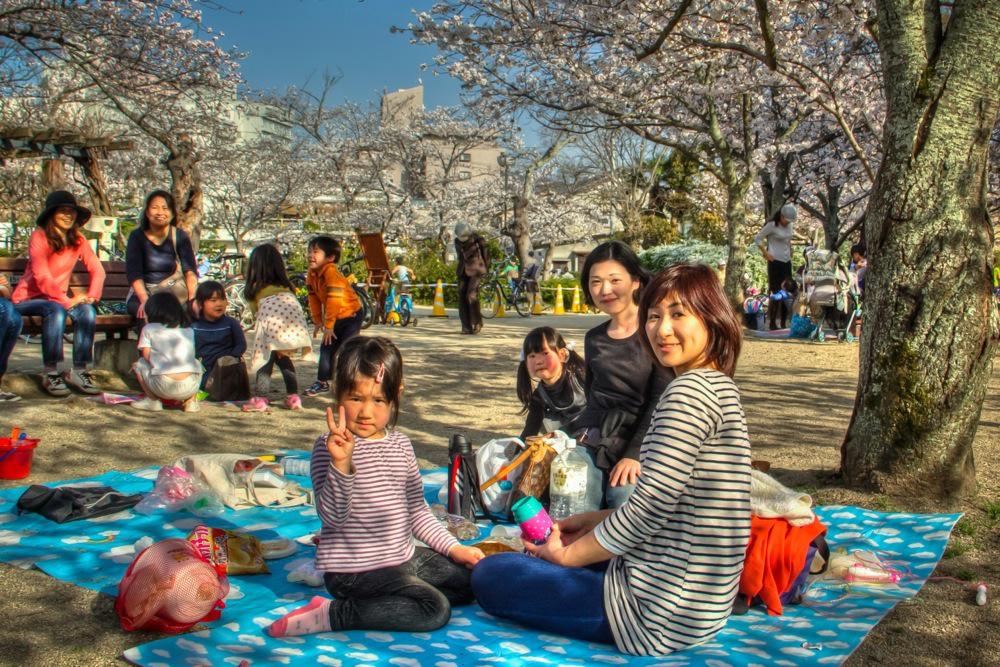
{"x": 256, "y": 404}
{"x": 293, "y": 402}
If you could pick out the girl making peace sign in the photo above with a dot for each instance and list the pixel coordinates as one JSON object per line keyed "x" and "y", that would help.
{"x": 370, "y": 499}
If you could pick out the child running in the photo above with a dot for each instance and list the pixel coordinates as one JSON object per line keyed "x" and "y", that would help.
{"x": 219, "y": 339}
{"x": 557, "y": 399}
{"x": 335, "y": 308}
{"x": 281, "y": 331}
{"x": 370, "y": 499}
{"x": 167, "y": 367}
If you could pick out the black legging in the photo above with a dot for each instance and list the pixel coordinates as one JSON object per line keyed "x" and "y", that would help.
{"x": 287, "y": 369}
{"x": 778, "y": 273}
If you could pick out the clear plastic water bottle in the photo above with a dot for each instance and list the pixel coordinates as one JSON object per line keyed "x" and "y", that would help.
{"x": 568, "y": 492}
{"x": 295, "y": 466}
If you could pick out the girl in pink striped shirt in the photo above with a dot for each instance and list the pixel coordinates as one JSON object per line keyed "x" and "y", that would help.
{"x": 370, "y": 498}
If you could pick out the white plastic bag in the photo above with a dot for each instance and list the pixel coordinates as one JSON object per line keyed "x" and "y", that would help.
{"x": 490, "y": 459}
{"x": 176, "y": 490}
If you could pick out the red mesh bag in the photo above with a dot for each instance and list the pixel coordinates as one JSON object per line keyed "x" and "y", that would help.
{"x": 168, "y": 588}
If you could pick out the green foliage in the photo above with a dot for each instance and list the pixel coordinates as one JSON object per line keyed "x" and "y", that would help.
{"x": 424, "y": 257}
{"x": 955, "y": 550}
{"x": 297, "y": 261}
{"x": 992, "y": 509}
{"x": 700, "y": 252}
{"x": 210, "y": 248}
{"x": 965, "y": 527}
{"x": 884, "y": 504}
{"x": 709, "y": 227}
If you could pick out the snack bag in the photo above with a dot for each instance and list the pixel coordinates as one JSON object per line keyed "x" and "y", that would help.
{"x": 228, "y": 552}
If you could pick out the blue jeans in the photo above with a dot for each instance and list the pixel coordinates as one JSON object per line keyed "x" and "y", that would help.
{"x": 566, "y": 601}
{"x": 10, "y": 327}
{"x": 54, "y": 325}
{"x": 342, "y": 329}
{"x": 614, "y": 496}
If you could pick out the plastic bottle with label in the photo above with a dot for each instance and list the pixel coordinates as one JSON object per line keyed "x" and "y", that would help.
{"x": 568, "y": 489}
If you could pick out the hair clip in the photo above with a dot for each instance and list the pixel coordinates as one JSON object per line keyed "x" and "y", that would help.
{"x": 570, "y": 345}
{"x": 522, "y": 354}
{"x": 380, "y": 374}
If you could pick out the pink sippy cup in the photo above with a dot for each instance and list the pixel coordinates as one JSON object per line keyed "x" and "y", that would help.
{"x": 534, "y": 521}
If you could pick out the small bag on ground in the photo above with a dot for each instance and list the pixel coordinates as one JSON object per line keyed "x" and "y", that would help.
{"x": 228, "y": 381}
{"x": 242, "y": 481}
{"x": 169, "y": 588}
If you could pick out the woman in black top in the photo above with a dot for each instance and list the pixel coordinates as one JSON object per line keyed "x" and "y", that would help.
{"x": 623, "y": 383}
{"x": 159, "y": 256}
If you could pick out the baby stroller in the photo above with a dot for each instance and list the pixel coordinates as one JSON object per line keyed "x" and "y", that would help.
{"x": 831, "y": 292}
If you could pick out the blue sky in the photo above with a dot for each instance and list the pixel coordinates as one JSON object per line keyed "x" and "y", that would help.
{"x": 289, "y": 41}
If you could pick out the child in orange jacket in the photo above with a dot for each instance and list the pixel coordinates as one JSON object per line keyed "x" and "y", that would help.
{"x": 335, "y": 308}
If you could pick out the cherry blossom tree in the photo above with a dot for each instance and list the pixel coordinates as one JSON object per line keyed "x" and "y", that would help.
{"x": 152, "y": 63}
{"x": 249, "y": 184}
{"x": 691, "y": 75}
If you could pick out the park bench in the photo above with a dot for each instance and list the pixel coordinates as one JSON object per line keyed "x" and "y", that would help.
{"x": 116, "y": 288}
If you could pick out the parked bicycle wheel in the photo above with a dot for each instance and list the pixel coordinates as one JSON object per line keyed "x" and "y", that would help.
{"x": 522, "y": 302}
{"x": 366, "y": 305}
{"x": 404, "y": 312}
{"x": 490, "y": 298}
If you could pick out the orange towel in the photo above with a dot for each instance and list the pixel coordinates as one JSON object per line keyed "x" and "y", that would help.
{"x": 776, "y": 555}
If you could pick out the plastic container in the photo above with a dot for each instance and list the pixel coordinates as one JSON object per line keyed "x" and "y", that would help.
{"x": 569, "y": 491}
{"x": 15, "y": 460}
{"x": 534, "y": 521}
{"x": 296, "y": 466}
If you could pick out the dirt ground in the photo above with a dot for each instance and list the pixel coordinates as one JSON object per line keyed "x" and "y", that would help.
{"x": 798, "y": 399}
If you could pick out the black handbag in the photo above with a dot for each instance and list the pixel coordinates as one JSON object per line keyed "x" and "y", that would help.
{"x": 72, "y": 503}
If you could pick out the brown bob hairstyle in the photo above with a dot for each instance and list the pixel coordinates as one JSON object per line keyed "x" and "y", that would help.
{"x": 698, "y": 289}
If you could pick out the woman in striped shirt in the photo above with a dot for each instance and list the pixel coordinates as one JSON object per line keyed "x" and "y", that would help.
{"x": 370, "y": 498}
{"x": 659, "y": 573}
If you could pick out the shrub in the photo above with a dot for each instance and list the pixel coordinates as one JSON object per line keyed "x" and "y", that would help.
{"x": 701, "y": 252}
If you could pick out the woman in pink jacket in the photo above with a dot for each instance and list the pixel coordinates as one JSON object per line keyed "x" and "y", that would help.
{"x": 53, "y": 251}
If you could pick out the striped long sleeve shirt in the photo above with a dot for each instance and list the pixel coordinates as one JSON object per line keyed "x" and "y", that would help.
{"x": 682, "y": 536}
{"x": 369, "y": 518}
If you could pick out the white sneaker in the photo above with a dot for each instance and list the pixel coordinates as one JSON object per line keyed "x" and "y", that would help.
{"x": 150, "y": 404}
{"x": 82, "y": 380}
{"x": 192, "y": 406}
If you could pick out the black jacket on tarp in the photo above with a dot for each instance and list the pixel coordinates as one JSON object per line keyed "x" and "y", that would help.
{"x": 72, "y": 503}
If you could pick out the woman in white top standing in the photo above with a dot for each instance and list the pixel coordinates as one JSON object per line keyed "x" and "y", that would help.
{"x": 775, "y": 243}
{"x": 167, "y": 366}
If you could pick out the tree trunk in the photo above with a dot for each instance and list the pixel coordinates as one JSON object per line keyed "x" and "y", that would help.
{"x": 182, "y": 163}
{"x": 736, "y": 234}
{"x": 53, "y": 176}
{"x": 97, "y": 184}
{"x": 831, "y": 216}
{"x": 546, "y": 269}
{"x": 518, "y": 229}
{"x": 931, "y": 327}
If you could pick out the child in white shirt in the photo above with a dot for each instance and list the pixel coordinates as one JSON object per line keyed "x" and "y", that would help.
{"x": 167, "y": 367}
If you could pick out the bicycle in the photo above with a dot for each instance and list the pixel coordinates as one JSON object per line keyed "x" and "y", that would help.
{"x": 237, "y": 306}
{"x": 494, "y": 291}
{"x": 367, "y": 306}
{"x": 399, "y": 307}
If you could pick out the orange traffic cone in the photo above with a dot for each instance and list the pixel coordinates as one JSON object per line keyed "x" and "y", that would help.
{"x": 438, "y": 310}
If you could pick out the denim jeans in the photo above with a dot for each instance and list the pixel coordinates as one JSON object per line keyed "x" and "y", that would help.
{"x": 413, "y": 597}
{"x": 613, "y": 496}
{"x": 10, "y": 327}
{"x": 536, "y": 593}
{"x": 54, "y": 324}
{"x": 342, "y": 330}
